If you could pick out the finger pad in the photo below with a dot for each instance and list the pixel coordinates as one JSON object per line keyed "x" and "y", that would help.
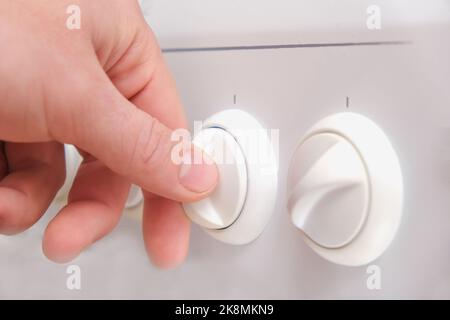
{"x": 166, "y": 232}
{"x": 75, "y": 228}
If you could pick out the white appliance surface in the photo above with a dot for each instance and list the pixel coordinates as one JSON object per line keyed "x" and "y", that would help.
{"x": 289, "y": 63}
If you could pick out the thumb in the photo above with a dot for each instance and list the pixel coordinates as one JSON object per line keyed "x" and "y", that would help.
{"x": 136, "y": 145}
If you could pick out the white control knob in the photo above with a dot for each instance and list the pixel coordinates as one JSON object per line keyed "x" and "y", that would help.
{"x": 240, "y": 207}
{"x": 223, "y": 207}
{"x": 328, "y": 190}
{"x": 345, "y": 189}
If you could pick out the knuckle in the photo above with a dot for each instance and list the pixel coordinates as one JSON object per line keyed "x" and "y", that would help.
{"x": 152, "y": 147}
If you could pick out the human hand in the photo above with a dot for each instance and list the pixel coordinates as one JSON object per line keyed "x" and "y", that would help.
{"x": 106, "y": 89}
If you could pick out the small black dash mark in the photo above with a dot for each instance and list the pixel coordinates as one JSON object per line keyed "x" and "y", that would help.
{"x": 234, "y": 99}
{"x": 347, "y": 102}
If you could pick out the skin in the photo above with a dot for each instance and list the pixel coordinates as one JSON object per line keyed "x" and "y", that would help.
{"x": 106, "y": 89}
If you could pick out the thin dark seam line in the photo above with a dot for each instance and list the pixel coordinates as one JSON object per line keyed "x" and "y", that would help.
{"x": 284, "y": 46}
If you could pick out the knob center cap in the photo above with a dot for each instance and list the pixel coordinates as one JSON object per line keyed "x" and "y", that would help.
{"x": 328, "y": 190}
{"x": 223, "y": 207}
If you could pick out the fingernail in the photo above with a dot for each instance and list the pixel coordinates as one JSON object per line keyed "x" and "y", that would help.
{"x": 198, "y": 176}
